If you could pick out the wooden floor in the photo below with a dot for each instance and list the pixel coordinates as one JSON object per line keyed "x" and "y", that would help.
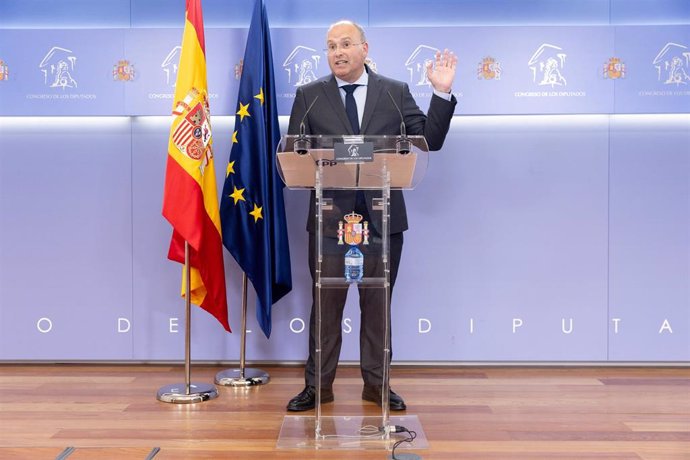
{"x": 506, "y": 413}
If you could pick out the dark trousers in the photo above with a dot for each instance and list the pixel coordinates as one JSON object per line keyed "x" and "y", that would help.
{"x": 371, "y": 305}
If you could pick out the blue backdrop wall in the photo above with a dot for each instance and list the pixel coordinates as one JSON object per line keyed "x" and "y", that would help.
{"x": 553, "y": 226}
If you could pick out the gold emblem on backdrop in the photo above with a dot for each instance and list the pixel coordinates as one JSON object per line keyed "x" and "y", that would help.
{"x": 123, "y": 71}
{"x": 614, "y": 69}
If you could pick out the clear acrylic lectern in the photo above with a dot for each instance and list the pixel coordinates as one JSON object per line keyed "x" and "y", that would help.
{"x": 335, "y": 166}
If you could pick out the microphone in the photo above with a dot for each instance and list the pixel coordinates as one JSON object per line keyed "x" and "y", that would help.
{"x": 302, "y": 144}
{"x": 403, "y": 145}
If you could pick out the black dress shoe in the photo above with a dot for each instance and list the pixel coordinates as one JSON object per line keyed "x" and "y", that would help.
{"x": 306, "y": 400}
{"x": 373, "y": 393}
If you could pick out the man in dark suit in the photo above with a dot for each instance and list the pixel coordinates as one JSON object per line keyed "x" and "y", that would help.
{"x": 352, "y": 83}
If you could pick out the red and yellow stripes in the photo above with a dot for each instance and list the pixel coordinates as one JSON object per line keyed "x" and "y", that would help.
{"x": 190, "y": 200}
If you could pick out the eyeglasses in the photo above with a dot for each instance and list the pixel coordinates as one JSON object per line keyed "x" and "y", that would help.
{"x": 344, "y": 45}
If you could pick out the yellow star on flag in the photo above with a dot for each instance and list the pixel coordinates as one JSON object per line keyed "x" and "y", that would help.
{"x": 243, "y": 112}
{"x": 234, "y": 138}
{"x": 256, "y": 213}
{"x": 230, "y": 169}
{"x": 237, "y": 194}
{"x": 260, "y": 96}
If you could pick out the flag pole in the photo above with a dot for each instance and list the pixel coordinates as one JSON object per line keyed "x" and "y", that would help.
{"x": 188, "y": 322}
{"x": 242, "y": 377}
{"x": 188, "y": 392}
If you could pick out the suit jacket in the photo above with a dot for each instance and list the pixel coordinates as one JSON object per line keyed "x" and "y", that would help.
{"x": 328, "y": 117}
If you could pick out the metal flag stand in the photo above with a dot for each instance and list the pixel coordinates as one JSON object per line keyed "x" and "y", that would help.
{"x": 187, "y": 392}
{"x": 242, "y": 377}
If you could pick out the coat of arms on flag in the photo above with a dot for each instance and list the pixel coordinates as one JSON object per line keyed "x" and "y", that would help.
{"x": 193, "y": 132}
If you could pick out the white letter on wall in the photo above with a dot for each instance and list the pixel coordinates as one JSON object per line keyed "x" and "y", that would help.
{"x": 301, "y": 325}
{"x": 570, "y": 330}
{"x": 666, "y": 325}
{"x": 427, "y": 326}
{"x": 517, "y": 322}
{"x": 615, "y": 324}
{"x": 173, "y": 325}
{"x": 45, "y": 329}
{"x": 121, "y": 322}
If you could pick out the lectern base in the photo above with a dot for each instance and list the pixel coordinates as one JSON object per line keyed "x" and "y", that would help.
{"x": 348, "y": 432}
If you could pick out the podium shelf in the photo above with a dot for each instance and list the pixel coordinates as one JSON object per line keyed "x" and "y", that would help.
{"x": 369, "y": 282}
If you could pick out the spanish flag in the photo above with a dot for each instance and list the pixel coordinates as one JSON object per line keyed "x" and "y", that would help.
{"x": 190, "y": 201}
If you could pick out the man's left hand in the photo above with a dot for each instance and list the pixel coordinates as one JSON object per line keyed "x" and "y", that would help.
{"x": 441, "y": 73}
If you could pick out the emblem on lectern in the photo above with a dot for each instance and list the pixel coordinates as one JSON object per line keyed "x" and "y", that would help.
{"x": 354, "y": 232}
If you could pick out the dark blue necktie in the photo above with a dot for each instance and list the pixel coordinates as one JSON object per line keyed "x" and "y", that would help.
{"x": 351, "y": 107}
{"x": 351, "y": 110}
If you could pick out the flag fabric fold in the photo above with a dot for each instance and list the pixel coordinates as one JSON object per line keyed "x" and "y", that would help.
{"x": 252, "y": 208}
{"x": 190, "y": 200}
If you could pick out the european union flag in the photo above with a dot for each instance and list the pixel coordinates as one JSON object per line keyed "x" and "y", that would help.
{"x": 252, "y": 210}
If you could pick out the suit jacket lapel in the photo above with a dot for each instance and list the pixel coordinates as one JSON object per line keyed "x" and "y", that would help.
{"x": 330, "y": 87}
{"x": 374, "y": 89}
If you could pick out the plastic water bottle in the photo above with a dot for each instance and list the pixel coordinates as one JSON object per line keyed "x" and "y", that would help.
{"x": 354, "y": 265}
